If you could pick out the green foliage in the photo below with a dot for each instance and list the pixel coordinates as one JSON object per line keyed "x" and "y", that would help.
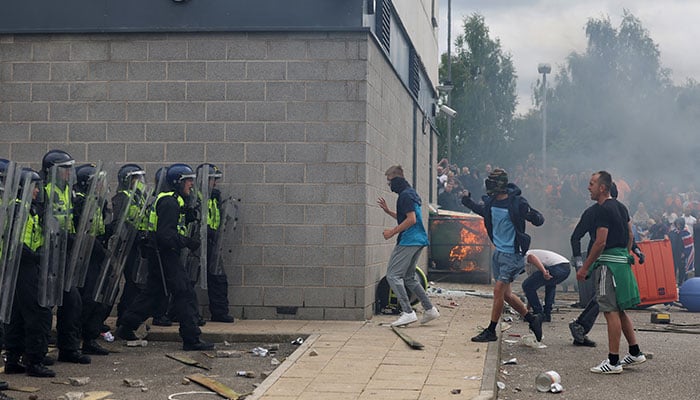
{"x": 483, "y": 95}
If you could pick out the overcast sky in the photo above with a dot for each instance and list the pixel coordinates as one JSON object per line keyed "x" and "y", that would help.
{"x": 536, "y": 31}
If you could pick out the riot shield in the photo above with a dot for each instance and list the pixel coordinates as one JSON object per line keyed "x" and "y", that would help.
{"x": 195, "y": 261}
{"x": 8, "y": 193}
{"x": 14, "y": 222}
{"x": 58, "y": 227}
{"x": 228, "y": 221}
{"x": 118, "y": 247}
{"x": 86, "y": 231}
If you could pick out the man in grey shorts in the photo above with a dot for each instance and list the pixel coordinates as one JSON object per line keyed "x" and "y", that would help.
{"x": 610, "y": 261}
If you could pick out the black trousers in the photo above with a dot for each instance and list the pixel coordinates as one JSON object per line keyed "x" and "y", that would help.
{"x": 217, "y": 290}
{"x": 181, "y": 291}
{"x": 130, "y": 290}
{"x": 68, "y": 321}
{"x": 93, "y": 313}
{"x": 28, "y": 331}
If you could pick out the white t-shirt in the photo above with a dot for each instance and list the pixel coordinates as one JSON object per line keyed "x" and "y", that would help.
{"x": 547, "y": 258}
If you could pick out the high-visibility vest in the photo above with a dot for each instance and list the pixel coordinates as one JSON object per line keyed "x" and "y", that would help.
{"x": 153, "y": 217}
{"x": 133, "y": 212}
{"x": 62, "y": 206}
{"x": 214, "y": 213}
{"x": 33, "y": 235}
{"x": 98, "y": 221}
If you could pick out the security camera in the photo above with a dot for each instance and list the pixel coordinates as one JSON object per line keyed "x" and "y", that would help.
{"x": 449, "y": 111}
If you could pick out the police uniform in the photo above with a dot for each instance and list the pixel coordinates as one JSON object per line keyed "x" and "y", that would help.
{"x": 93, "y": 313}
{"x": 131, "y": 289}
{"x": 169, "y": 221}
{"x": 28, "y": 331}
{"x": 217, "y": 285}
{"x": 68, "y": 314}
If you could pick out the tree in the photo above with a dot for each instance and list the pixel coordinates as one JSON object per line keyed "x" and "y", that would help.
{"x": 612, "y": 100}
{"x": 483, "y": 95}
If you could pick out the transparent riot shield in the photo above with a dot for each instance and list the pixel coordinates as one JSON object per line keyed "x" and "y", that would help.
{"x": 58, "y": 227}
{"x": 8, "y": 193}
{"x": 87, "y": 229}
{"x": 229, "y": 220}
{"x": 14, "y": 223}
{"x": 195, "y": 261}
{"x": 118, "y": 247}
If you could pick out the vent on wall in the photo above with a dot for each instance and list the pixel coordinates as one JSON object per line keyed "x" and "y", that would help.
{"x": 383, "y": 21}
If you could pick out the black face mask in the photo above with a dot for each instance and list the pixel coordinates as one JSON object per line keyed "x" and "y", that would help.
{"x": 398, "y": 184}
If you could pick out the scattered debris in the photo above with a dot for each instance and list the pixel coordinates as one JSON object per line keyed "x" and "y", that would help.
{"x": 473, "y": 378}
{"x": 259, "y": 351}
{"x": 216, "y": 386}
{"x": 313, "y": 353}
{"x": 188, "y": 361}
{"x": 136, "y": 343}
{"x": 228, "y": 354}
{"x": 455, "y": 391}
{"x": 186, "y": 381}
{"x": 81, "y": 381}
{"x": 500, "y": 385}
{"x": 227, "y": 343}
{"x": 134, "y": 383}
{"x": 298, "y": 341}
{"x": 274, "y": 361}
{"x": 660, "y": 318}
{"x": 512, "y": 361}
{"x": 247, "y": 374}
{"x": 144, "y": 389}
{"x": 409, "y": 341}
{"x": 72, "y": 396}
{"x": 265, "y": 374}
{"x": 273, "y": 347}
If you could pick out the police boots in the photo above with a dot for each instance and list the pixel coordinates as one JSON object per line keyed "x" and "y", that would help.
{"x": 40, "y": 371}
{"x": 12, "y": 364}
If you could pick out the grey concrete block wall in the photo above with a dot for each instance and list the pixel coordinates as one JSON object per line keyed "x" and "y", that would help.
{"x": 302, "y": 124}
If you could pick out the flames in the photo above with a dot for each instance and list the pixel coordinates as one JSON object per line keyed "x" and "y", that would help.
{"x": 469, "y": 252}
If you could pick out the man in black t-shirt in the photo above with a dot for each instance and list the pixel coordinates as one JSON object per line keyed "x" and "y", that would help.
{"x": 616, "y": 286}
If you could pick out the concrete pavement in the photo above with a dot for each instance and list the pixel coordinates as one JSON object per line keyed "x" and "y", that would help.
{"x": 367, "y": 360}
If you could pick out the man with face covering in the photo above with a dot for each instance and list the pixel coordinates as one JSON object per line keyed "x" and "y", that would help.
{"x": 505, "y": 212}
{"x": 412, "y": 238}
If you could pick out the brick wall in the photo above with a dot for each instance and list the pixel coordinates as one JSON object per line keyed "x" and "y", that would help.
{"x": 302, "y": 124}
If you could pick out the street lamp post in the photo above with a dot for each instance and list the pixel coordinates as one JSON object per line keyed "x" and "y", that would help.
{"x": 449, "y": 77}
{"x": 544, "y": 69}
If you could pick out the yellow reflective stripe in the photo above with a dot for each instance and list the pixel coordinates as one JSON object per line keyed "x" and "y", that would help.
{"x": 63, "y": 208}
{"x": 214, "y": 220}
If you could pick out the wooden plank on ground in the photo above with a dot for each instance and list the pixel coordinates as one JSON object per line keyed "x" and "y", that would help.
{"x": 409, "y": 340}
{"x": 214, "y": 385}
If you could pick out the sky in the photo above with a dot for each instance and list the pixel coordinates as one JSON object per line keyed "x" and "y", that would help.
{"x": 546, "y": 31}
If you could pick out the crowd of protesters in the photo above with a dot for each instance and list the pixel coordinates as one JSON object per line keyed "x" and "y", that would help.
{"x": 658, "y": 210}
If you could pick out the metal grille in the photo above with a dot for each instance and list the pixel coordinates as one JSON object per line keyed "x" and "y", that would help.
{"x": 383, "y": 21}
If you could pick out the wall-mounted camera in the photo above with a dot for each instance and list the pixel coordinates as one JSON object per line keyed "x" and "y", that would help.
{"x": 449, "y": 111}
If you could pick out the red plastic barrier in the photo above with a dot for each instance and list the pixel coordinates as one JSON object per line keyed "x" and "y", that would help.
{"x": 656, "y": 277}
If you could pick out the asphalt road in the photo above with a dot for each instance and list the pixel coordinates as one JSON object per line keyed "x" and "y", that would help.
{"x": 671, "y": 372}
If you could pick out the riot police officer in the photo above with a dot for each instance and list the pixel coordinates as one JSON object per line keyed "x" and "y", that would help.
{"x": 169, "y": 218}
{"x": 30, "y": 323}
{"x": 129, "y": 199}
{"x": 56, "y": 167}
{"x": 217, "y": 282}
{"x": 93, "y": 313}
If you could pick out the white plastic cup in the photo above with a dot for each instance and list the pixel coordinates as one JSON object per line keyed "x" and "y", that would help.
{"x": 546, "y": 380}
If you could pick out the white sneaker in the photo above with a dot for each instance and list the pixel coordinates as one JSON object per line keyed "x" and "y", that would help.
{"x": 630, "y": 360}
{"x": 405, "y": 319}
{"x": 430, "y": 315}
{"x": 606, "y": 368}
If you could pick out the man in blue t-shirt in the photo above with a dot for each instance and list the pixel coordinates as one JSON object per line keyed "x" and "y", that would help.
{"x": 505, "y": 212}
{"x": 401, "y": 272}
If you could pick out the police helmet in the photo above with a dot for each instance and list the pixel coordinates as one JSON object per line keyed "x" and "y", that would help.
{"x": 159, "y": 174}
{"x": 32, "y": 176}
{"x": 214, "y": 171}
{"x": 177, "y": 173}
{"x": 126, "y": 172}
{"x": 56, "y": 158}
{"x": 84, "y": 173}
{"x": 4, "y": 163}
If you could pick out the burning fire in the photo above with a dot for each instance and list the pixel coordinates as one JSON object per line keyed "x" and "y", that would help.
{"x": 471, "y": 245}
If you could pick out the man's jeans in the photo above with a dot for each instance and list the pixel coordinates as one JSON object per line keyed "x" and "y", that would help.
{"x": 535, "y": 281}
